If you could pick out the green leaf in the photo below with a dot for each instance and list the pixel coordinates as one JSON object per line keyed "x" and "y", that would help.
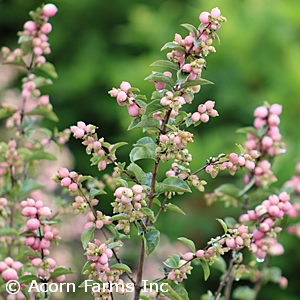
{"x": 174, "y": 290}
{"x": 26, "y": 43}
{"x": 164, "y": 64}
{"x": 143, "y": 297}
{"x": 173, "y": 184}
{"x": 134, "y": 123}
{"x": 95, "y": 192}
{"x": 151, "y": 240}
{"x": 146, "y": 122}
{"x": 206, "y": 269}
{"x": 220, "y": 264}
{"x": 223, "y": 224}
{"x": 28, "y": 186}
{"x": 243, "y": 293}
{"x": 148, "y": 212}
{"x": 182, "y": 77}
{"x": 189, "y": 243}
{"x": 118, "y": 145}
{"x": 26, "y": 279}
{"x": 271, "y": 274}
{"x": 138, "y": 172}
{"x": 247, "y": 130}
{"x": 152, "y": 107}
{"x": 8, "y": 232}
{"x": 46, "y": 70}
{"x": 118, "y": 217}
{"x": 231, "y": 222}
{"x": 84, "y": 178}
{"x": 19, "y": 63}
{"x": 160, "y": 77}
{"x": 114, "y": 231}
{"x": 6, "y": 112}
{"x": 60, "y": 271}
{"x": 229, "y": 190}
{"x": 39, "y": 155}
{"x": 121, "y": 267}
{"x": 114, "y": 245}
{"x": 86, "y": 266}
{"x": 190, "y": 28}
{"x": 241, "y": 148}
{"x": 173, "y": 46}
{"x": 171, "y": 206}
{"x": 41, "y": 81}
{"x": 172, "y": 262}
{"x": 144, "y": 152}
{"x": 198, "y": 81}
{"x": 44, "y": 111}
{"x": 87, "y": 236}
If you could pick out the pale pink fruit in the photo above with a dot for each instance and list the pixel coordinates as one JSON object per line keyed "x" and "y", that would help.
{"x": 204, "y": 17}
{"x": 33, "y": 224}
{"x": 49, "y": 10}
{"x": 215, "y": 13}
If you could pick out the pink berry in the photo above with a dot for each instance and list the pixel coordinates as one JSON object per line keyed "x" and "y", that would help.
{"x": 103, "y": 259}
{"x": 9, "y": 274}
{"x": 195, "y": 117}
{"x": 63, "y": 172}
{"x": 261, "y": 112}
{"x": 9, "y": 261}
{"x": 200, "y": 253}
{"x": 204, "y": 17}
{"x": 17, "y": 265}
{"x": 36, "y": 262}
{"x": 46, "y": 28}
{"x": 133, "y": 110}
{"x": 51, "y": 262}
{"x": 65, "y": 182}
{"x": 209, "y": 104}
{"x": 204, "y": 118}
{"x": 3, "y": 266}
{"x": 30, "y": 26}
{"x": 125, "y": 86}
{"x": 188, "y": 256}
{"x": 276, "y": 109}
{"x": 73, "y": 187}
{"x": 33, "y": 224}
{"x": 215, "y": 13}
{"x": 79, "y": 133}
{"x": 49, "y": 10}
{"x": 45, "y": 211}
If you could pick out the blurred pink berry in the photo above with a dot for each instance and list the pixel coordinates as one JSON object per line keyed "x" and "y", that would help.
{"x": 65, "y": 182}
{"x": 63, "y": 172}
{"x": 204, "y": 17}
{"x": 49, "y": 10}
{"x": 261, "y": 112}
{"x": 200, "y": 253}
{"x": 276, "y": 109}
{"x": 9, "y": 274}
{"x": 215, "y": 13}
{"x": 133, "y": 110}
{"x": 73, "y": 187}
{"x": 125, "y": 86}
{"x": 46, "y": 28}
{"x": 30, "y": 26}
{"x": 33, "y": 224}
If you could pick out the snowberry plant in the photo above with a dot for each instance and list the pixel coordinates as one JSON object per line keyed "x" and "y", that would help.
{"x": 28, "y": 227}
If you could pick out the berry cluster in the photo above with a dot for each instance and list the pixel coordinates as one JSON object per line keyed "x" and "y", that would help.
{"x": 172, "y": 143}
{"x": 205, "y": 111}
{"x": 232, "y": 163}
{"x": 43, "y": 233}
{"x": 68, "y": 179}
{"x": 264, "y": 216}
{"x": 9, "y": 268}
{"x": 125, "y": 96}
{"x": 36, "y": 32}
{"x": 129, "y": 201}
{"x": 182, "y": 272}
{"x": 197, "y": 44}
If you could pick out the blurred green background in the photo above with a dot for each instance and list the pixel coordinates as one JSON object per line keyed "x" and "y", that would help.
{"x": 97, "y": 44}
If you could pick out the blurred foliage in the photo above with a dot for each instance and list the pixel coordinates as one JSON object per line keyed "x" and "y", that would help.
{"x": 98, "y": 44}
